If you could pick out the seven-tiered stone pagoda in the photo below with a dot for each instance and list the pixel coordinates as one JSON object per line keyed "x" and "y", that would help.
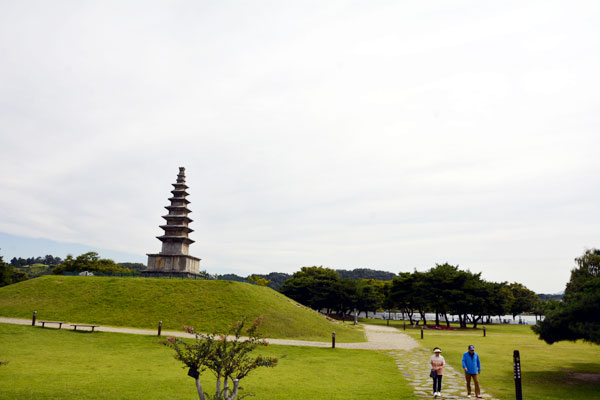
{"x": 174, "y": 258}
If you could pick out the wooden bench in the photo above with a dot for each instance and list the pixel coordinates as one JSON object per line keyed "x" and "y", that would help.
{"x": 52, "y": 322}
{"x": 87, "y": 326}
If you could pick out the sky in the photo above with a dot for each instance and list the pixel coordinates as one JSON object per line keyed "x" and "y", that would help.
{"x": 348, "y": 134}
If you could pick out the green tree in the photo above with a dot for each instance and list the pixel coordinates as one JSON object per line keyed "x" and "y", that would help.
{"x": 369, "y": 296}
{"x": 498, "y": 299}
{"x": 227, "y": 356}
{"x": 316, "y": 287}
{"x": 442, "y": 281}
{"x": 9, "y": 275}
{"x": 578, "y": 315}
{"x": 404, "y": 293}
{"x": 90, "y": 262}
{"x": 467, "y": 297}
{"x": 258, "y": 280}
{"x": 524, "y": 300}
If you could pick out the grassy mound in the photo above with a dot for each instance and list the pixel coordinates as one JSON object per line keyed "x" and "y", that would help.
{"x": 142, "y": 302}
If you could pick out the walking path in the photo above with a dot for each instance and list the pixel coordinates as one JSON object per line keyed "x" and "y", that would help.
{"x": 378, "y": 337}
{"x": 414, "y": 365}
{"x": 411, "y": 360}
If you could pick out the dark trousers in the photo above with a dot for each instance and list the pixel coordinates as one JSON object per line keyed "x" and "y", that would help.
{"x": 437, "y": 383}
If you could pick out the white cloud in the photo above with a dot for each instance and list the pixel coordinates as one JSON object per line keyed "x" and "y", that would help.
{"x": 378, "y": 135}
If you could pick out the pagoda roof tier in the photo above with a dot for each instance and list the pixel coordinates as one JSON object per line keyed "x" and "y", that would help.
{"x": 182, "y": 194}
{"x": 171, "y": 217}
{"x": 180, "y": 199}
{"x": 178, "y": 239}
{"x": 176, "y": 228}
{"x": 180, "y": 185}
{"x": 171, "y": 255}
{"x": 178, "y": 208}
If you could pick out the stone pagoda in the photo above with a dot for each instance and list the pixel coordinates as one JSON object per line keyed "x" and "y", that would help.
{"x": 174, "y": 258}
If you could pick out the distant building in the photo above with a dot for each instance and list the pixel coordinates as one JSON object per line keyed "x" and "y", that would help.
{"x": 174, "y": 258}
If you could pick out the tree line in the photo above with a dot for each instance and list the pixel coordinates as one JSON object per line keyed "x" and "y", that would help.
{"x": 46, "y": 260}
{"x": 443, "y": 290}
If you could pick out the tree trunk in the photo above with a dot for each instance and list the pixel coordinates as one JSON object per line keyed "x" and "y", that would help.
{"x": 226, "y": 387}
{"x": 218, "y": 386}
{"x": 437, "y": 318}
{"x": 447, "y": 322}
{"x": 234, "y": 393}
{"x": 199, "y": 389}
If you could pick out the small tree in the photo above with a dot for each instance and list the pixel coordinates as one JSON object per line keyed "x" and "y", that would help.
{"x": 226, "y": 356}
{"x": 258, "y": 280}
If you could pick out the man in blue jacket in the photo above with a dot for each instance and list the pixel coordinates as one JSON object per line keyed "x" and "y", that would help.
{"x": 472, "y": 367}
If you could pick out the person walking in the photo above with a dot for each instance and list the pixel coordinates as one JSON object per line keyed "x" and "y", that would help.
{"x": 472, "y": 367}
{"x": 437, "y": 363}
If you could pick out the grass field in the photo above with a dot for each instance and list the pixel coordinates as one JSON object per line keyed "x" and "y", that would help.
{"x": 142, "y": 302}
{"x": 62, "y": 364}
{"x": 560, "y": 371}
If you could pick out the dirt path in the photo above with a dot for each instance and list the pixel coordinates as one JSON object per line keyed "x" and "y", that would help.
{"x": 378, "y": 337}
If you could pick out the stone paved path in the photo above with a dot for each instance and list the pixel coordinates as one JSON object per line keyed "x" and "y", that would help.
{"x": 414, "y": 366}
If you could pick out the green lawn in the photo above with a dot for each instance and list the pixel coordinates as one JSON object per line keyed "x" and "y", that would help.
{"x": 62, "y": 364}
{"x": 560, "y": 371}
{"x": 142, "y": 302}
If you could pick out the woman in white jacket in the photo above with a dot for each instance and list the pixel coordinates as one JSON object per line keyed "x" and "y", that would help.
{"x": 437, "y": 363}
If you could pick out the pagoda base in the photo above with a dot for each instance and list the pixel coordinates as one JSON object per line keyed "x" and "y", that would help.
{"x": 172, "y": 264}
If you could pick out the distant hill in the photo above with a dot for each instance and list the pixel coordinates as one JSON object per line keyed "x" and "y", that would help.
{"x": 142, "y": 302}
{"x": 556, "y": 296}
{"x": 278, "y": 278}
{"x": 35, "y": 270}
{"x": 365, "y": 273}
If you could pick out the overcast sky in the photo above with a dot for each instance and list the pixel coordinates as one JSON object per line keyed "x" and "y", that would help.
{"x": 378, "y": 134}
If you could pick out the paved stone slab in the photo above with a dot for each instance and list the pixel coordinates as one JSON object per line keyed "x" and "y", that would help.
{"x": 414, "y": 366}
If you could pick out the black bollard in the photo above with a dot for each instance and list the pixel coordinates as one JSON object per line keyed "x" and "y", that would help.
{"x": 159, "y": 327}
{"x": 517, "y": 366}
{"x": 421, "y": 332}
{"x": 388, "y": 322}
{"x": 484, "y": 331}
{"x": 33, "y": 319}
{"x": 404, "y": 324}
{"x": 333, "y": 340}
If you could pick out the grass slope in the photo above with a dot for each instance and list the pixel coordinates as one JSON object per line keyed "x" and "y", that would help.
{"x": 62, "y": 364}
{"x": 564, "y": 370}
{"x": 142, "y": 302}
